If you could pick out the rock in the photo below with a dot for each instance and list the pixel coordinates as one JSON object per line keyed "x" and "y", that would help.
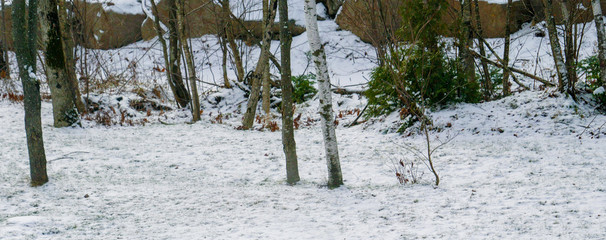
{"x": 99, "y": 27}
{"x": 203, "y": 18}
{"x": 332, "y": 6}
{"x": 106, "y": 29}
{"x": 96, "y": 27}
{"x": 362, "y": 17}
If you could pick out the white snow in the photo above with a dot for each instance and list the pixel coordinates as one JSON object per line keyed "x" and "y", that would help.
{"x": 121, "y": 6}
{"x": 535, "y": 180}
{"x": 529, "y": 166}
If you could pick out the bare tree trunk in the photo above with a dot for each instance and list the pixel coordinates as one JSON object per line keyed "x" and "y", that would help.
{"x": 25, "y": 35}
{"x": 469, "y": 67}
{"x": 288, "y": 137}
{"x": 65, "y": 112}
{"x": 229, "y": 34}
{"x": 189, "y": 59}
{"x": 569, "y": 49}
{"x": 223, "y": 18}
{"x": 180, "y": 91}
{"x": 5, "y": 71}
{"x": 556, "y": 49}
{"x": 224, "y": 62}
{"x": 155, "y": 17}
{"x": 266, "y": 86}
{"x": 266, "y": 94}
{"x": 335, "y": 177}
{"x": 68, "y": 50}
{"x": 487, "y": 83}
{"x": 253, "y": 99}
{"x": 506, "y": 84}
{"x": 601, "y": 29}
{"x": 257, "y": 77}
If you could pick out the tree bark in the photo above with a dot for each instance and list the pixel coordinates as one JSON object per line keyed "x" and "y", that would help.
{"x": 4, "y": 69}
{"x": 556, "y": 49}
{"x": 601, "y": 30}
{"x": 253, "y": 98}
{"x": 266, "y": 42}
{"x": 154, "y": 16}
{"x": 256, "y": 77}
{"x": 65, "y": 113}
{"x": 189, "y": 59}
{"x": 25, "y": 35}
{"x": 229, "y": 34}
{"x": 180, "y": 91}
{"x": 221, "y": 26}
{"x": 506, "y": 85}
{"x": 224, "y": 61}
{"x": 487, "y": 83}
{"x": 288, "y": 138}
{"x": 70, "y": 62}
{"x": 569, "y": 48}
{"x": 469, "y": 67}
{"x": 4, "y": 66}
{"x": 335, "y": 177}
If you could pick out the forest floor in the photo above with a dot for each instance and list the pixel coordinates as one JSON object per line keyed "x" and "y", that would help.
{"x": 530, "y": 166}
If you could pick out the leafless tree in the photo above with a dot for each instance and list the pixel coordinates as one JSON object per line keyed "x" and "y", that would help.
{"x": 65, "y": 112}
{"x": 25, "y": 35}
{"x": 556, "y": 48}
{"x": 506, "y": 84}
{"x": 335, "y": 177}
{"x": 261, "y": 69}
{"x": 288, "y": 138}
{"x": 189, "y": 59}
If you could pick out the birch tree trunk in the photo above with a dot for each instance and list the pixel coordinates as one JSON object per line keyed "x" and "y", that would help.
{"x": 24, "y": 35}
{"x": 506, "y": 86}
{"x": 288, "y": 137}
{"x": 487, "y": 83}
{"x": 335, "y": 177}
{"x": 601, "y": 29}
{"x": 65, "y": 113}
{"x": 556, "y": 49}
{"x": 189, "y": 60}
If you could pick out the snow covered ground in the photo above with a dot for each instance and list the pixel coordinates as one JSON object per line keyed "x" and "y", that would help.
{"x": 534, "y": 179}
{"x": 530, "y": 166}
